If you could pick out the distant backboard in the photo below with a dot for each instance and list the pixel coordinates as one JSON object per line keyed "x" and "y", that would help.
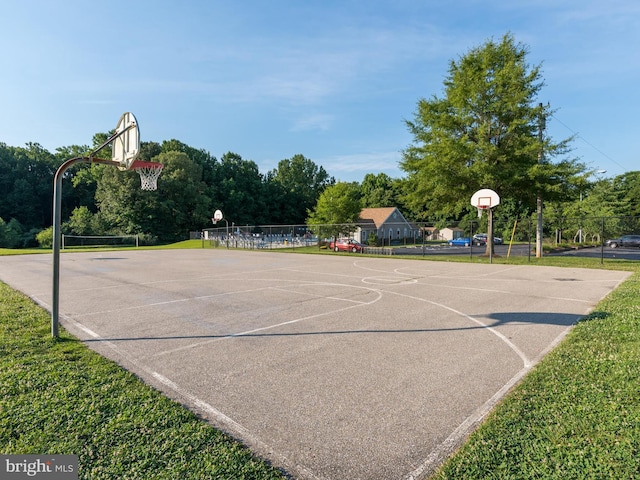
{"x": 126, "y": 146}
{"x": 485, "y": 198}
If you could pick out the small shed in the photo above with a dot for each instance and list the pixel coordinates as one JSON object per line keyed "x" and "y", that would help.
{"x": 448, "y": 233}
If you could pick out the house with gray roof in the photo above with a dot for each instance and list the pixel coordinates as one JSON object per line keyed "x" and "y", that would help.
{"x": 386, "y": 223}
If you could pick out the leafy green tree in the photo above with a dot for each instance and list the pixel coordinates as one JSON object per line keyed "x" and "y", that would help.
{"x": 627, "y": 190}
{"x": 81, "y": 181}
{"x": 614, "y": 200}
{"x": 3, "y": 233}
{"x": 378, "y": 191}
{"x": 149, "y": 150}
{"x": 199, "y": 156}
{"x": 178, "y": 206}
{"x": 81, "y": 222}
{"x": 11, "y": 234}
{"x": 182, "y": 204}
{"x": 483, "y": 133}
{"x": 338, "y": 207}
{"x": 302, "y": 182}
{"x": 26, "y": 182}
{"x": 120, "y": 202}
{"x": 237, "y": 190}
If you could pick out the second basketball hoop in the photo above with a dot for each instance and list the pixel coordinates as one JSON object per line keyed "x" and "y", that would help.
{"x": 485, "y": 199}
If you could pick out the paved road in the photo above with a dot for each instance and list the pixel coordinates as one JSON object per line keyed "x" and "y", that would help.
{"x": 332, "y": 367}
{"x": 606, "y": 253}
{"x": 521, "y": 250}
{"x": 502, "y": 250}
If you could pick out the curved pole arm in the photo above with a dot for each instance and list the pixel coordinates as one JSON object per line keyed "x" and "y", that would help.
{"x": 57, "y": 207}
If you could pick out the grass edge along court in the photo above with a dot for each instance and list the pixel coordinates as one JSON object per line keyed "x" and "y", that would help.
{"x": 576, "y": 415}
{"x": 60, "y": 397}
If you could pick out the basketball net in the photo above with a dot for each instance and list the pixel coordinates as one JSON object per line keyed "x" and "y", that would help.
{"x": 480, "y": 210}
{"x": 149, "y": 173}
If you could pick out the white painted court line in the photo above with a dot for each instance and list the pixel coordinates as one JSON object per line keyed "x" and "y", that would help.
{"x": 444, "y": 449}
{"x": 228, "y": 423}
{"x": 318, "y": 296}
{"x": 439, "y": 454}
{"x": 270, "y": 327}
{"x": 220, "y": 417}
{"x": 170, "y": 302}
{"x": 502, "y": 337}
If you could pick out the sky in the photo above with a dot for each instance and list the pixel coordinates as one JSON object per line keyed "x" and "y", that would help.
{"x": 333, "y": 80}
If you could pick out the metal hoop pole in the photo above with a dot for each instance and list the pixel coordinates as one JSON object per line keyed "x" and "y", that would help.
{"x": 57, "y": 236}
{"x": 111, "y": 139}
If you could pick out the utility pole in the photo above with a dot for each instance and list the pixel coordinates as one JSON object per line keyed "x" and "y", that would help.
{"x": 541, "y": 127}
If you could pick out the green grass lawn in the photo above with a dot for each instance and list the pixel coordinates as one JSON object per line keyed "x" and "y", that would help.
{"x": 576, "y": 415}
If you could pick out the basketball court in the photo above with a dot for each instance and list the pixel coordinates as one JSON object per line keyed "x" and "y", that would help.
{"x": 329, "y": 366}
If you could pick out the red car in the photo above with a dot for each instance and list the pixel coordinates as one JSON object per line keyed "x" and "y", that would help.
{"x": 346, "y": 245}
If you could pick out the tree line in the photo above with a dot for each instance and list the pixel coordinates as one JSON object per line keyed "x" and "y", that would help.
{"x": 485, "y": 131}
{"x": 102, "y": 200}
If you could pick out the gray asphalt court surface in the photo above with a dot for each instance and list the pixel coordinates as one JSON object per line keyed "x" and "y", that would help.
{"x": 329, "y": 366}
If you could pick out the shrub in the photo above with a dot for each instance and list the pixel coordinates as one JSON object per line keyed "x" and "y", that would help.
{"x": 45, "y": 237}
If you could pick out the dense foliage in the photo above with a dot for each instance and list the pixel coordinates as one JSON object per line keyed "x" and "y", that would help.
{"x": 483, "y": 133}
{"x": 102, "y": 200}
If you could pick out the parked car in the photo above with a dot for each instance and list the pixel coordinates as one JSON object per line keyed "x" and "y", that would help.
{"x": 481, "y": 238}
{"x": 460, "y": 242}
{"x": 624, "y": 241}
{"x": 346, "y": 245}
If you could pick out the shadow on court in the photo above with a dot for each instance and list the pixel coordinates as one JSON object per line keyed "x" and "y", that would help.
{"x": 562, "y": 319}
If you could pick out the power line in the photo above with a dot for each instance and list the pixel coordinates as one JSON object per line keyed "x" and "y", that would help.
{"x": 587, "y": 142}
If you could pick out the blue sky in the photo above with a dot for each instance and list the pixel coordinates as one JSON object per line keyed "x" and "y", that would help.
{"x": 332, "y": 80}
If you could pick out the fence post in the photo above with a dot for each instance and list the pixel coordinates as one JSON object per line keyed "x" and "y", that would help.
{"x": 602, "y": 243}
{"x": 529, "y": 236}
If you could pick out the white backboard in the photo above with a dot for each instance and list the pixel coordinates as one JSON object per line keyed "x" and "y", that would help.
{"x": 126, "y": 147}
{"x": 485, "y": 198}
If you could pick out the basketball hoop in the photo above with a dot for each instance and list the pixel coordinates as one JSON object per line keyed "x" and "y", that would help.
{"x": 149, "y": 173}
{"x": 485, "y": 199}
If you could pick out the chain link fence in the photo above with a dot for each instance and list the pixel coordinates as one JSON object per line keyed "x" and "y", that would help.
{"x": 514, "y": 237}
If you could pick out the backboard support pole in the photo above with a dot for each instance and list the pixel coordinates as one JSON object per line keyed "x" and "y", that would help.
{"x": 124, "y": 152}
{"x": 57, "y": 234}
